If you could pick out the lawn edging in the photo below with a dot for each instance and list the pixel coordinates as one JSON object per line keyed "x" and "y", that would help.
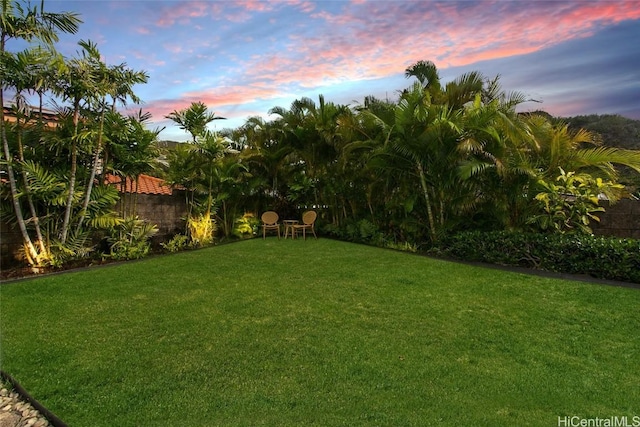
{"x": 26, "y": 397}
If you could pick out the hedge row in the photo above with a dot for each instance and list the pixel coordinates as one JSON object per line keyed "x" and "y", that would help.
{"x": 601, "y": 257}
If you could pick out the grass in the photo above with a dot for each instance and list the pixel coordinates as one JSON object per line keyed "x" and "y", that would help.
{"x": 319, "y": 333}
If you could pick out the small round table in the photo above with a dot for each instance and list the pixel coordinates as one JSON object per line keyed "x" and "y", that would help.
{"x": 288, "y": 226}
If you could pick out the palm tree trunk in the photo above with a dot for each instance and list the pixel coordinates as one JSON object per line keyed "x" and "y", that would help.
{"x": 94, "y": 169}
{"x": 135, "y": 196}
{"x": 33, "y": 254}
{"x": 427, "y": 199}
{"x": 72, "y": 178}
{"x": 34, "y": 215}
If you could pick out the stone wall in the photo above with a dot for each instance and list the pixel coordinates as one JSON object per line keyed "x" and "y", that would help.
{"x": 622, "y": 219}
{"x": 10, "y": 243}
{"x": 167, "y": 212}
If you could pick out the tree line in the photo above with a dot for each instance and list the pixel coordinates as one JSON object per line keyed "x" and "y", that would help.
{"x": 442, "y": 158}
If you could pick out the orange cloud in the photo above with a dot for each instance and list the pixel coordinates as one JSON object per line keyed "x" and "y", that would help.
{"x": 217, "y": 99}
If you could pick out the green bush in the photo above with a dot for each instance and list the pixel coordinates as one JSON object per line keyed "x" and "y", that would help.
{"x": 571, "y": 202}
{"x": 130, "y": 239}
{"x": 601, "y": 257}
{"x": 246, "y": 226}
{"x": 178, "y": 243}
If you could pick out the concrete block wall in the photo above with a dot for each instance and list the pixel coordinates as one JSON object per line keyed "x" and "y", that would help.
{"x": 10, "y": 243}
{"x": 167, "y": 212}
{"x": 621, "y": 219}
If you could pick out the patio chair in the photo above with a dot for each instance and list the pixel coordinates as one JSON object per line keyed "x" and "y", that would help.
{"x": 308, "y": 222}
{"x": 270, "y": 222}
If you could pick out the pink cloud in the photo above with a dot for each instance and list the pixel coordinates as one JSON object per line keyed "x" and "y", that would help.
{"x": 183, "y": 12}
{"x": 217, "y": 99}
{"x": 173, "y": 48}
{"x": 370, "y": 40}
{"x": 237, "y": 17}
{"x": 304, "y": 6}
{"x": 148, "y": 58}
{"x": 370, "y": 34}
{"x": 256, "y": 5}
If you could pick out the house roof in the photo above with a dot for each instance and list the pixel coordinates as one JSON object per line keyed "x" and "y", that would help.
{"x": 146, "y": 185}
{"x": 49, "y": 116}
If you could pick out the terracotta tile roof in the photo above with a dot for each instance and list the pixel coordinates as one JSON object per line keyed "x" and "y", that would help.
{"x": 146, "y": 185}
{"x": 49, "y": 116}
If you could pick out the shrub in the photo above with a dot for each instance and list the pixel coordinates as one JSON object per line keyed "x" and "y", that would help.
{"x": 179, "y": 242}
{"x": 201, "y": 230}
{"x": 246, "y": 226}
{"x": 130, "y": 239}
{"x": 570, "y": 204}
{"x": 601, "y": 257}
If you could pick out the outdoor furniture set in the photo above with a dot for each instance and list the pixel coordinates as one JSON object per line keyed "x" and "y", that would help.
{"x": 270, "y": 221}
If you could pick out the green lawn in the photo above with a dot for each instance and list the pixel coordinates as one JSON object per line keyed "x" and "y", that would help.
{"x": 319, "y": 332}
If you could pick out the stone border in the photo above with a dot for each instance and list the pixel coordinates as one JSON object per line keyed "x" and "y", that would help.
{"x": 23, "y": 403}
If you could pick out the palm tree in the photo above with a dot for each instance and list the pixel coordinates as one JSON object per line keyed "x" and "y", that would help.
{"x": 494, "y": 146}
{"x": 134, "y": 151}
{"x": 116, "y": 82}
{"x": 576, "y": 151}
{"x": 229, "y": 182}
{"x": 18, "y": 22}
{"x": 267, "y": 156}
{"x": 25, "y": 66}
{"x": 194, "y": 119}
{"x": 79, "y": 85}
{"x": 183, "y": 171}
{"x": 209, "y": 149}
{"x": 422, "y": 140}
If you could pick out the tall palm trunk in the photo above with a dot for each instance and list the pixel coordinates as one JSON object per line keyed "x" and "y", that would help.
{"x": 94, "y": 169}
{"x": 33, "y": 254}
{"x": 72, "y": 178}
{"x": 12, "y": 179}
{"x": 32, "y": 208}
{"x": 427, "y": 199}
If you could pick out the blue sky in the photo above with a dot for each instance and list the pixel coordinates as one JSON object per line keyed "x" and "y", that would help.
{"x": 242, "y": 58}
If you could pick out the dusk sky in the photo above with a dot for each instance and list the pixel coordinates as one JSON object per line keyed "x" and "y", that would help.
{"x": 242, "y": 58}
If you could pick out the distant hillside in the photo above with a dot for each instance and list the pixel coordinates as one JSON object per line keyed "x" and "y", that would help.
{"x": 616, "y": 131}
{"x": 167, "y": 144}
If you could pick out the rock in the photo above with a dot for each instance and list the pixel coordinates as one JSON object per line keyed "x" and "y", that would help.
{"x": 16, "y": 412}
{"x": 41, "y": 423}
{"x": 9, "y": 419}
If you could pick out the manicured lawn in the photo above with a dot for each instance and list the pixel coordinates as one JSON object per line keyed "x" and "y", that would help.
{"x": 323, "y": 333}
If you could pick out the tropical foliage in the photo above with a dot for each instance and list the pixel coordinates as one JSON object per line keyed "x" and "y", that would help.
{"x": 56, "y": 164}
{"x": 443, "y": 157}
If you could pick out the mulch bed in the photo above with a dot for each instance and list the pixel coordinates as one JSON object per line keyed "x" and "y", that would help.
{"x": 22, "y": 272}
